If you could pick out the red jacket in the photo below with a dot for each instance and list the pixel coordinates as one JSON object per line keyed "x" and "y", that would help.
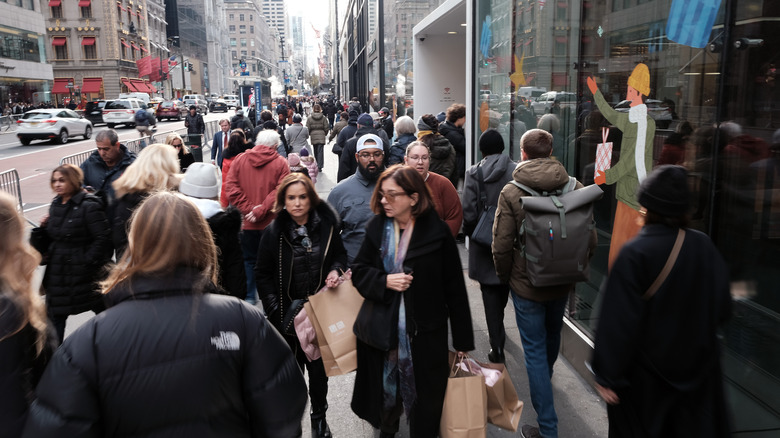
{"x": 252, "y": 181}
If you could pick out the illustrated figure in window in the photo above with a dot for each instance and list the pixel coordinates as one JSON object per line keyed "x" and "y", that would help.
{"x": 636, "y": 155}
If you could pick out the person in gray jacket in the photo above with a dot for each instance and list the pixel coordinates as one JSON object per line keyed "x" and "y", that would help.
{"x": 352, "y": 197}
{"x": 297, "y": 135}
{"x": 497, "y": 170}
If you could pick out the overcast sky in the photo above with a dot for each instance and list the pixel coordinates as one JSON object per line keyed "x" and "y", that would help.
{"x": 314, "y": 12}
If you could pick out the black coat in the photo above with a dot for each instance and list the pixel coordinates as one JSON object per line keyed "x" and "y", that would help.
{"x": 20, "y": 367}
{"x": 168, "y": 360}
{"x": 122, "y": 209}
{"x": 457, "y": 138}
{"x": 225, "y": 227}
{"x": 194, "y": 124}
{"x": 437, "y": 293}
{"x": 76, "y": 245}
{"x": 661, "y": 356}
{"x": 100, "y": 177}
{"x": 274, "y": 267}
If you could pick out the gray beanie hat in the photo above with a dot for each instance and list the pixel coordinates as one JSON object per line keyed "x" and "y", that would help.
{"x": 201, "y": 180}
{"x": 665, "y": 191}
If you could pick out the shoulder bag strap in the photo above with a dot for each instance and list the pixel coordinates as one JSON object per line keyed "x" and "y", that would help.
{"x": 482, "y": 191}
{"x": 667, "y": 267}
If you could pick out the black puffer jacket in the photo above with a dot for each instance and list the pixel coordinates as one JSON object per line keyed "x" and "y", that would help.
{"x": 442, "y": 156}
{"x": 169, "y": 361}
{"x": 122, "y": 209}
{"x": 76, "y": 241}
{"x": 457, "y": 138}
{"x": 274, "y": 268}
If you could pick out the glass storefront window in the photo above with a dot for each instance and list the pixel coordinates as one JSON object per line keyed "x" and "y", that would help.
{"x": 20, "y": 45}
{"x": 533, "y": 61}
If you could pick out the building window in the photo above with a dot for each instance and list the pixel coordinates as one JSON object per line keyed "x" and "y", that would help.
{"x": 56, "y": 9}
{"x": 231, "y": 17}
{"x": 251, "y": 17}
{"x": 232, "y": 28}
{"x": 253, "y": 53}
{"x": 90, "y": 52}
{"x": 60, "y": 48}
{"x": 86, "y": 11}
{"x": 251, "y": 29}
{"x": 242, "y": 29}
{"x": 232, "y": 42}
{"x": 254, "y": 69}
{"x": 243, "y": 42}
{"x": 240, "y": 17}
{"x": 243, "y": 54}
{"x": 235, "y": 54}
{"x": 252, "y": 43}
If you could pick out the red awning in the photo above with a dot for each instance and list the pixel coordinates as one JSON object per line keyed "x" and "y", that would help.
{"x": 84, "y": 3}
{"x": 143, "y": 49}
{"x": 561, "y": 39}
{"x": 124, "y": 43}
{"x": 91, "y": 85}
{"x": 134, "y": 45}
{"x": 54, "y": 3}
{"x": 129, "y": 84}
{"x": 88, "y": 41}
{"x": 59, "y": 41}
{"x": 61, "y": 86}
{"x": 152, "y": 88}
{"x": 139, "y": 85}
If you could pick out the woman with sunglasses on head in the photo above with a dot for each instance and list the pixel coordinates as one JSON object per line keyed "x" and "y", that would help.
{"x": 409, "y": 263}
{"x": 300, "y": 253}
{"x": 185, "y": 156}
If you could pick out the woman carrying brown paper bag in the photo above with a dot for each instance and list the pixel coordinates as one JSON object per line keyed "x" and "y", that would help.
{"x": 409, "y": 250}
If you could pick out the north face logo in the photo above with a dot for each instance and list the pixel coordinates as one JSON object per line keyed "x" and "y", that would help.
{"x": 226, "y": 341}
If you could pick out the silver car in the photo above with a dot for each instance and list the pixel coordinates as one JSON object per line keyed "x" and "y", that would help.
{"x": 55, "y": 124}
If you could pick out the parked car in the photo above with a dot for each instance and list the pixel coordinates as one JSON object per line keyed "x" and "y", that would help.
{"x": 231, "y": 100}
{"x": 218, "y": 105}
{"x": 203, "y": 107}
{"x": 152, "y": 105}
{"x": 93, "y": 111}
{"x": 544, "y": 103}
{"x": 55, "y": 124}
{"x": 121, "y": 112}
{"x": 656, "y": 109}
{"x": 171, "y": 109}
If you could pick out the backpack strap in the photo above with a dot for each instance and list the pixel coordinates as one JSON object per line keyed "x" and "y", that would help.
{"x": 482, "y": 191}
{"x": 525, "y": 188}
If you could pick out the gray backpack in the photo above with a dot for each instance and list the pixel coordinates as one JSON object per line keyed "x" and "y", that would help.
{"x": 557, "y": 229}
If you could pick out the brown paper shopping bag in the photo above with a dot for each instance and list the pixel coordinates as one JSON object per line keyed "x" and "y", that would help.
{"x": 332, "y": 312}
{"x": 504, "y": 407}
{"x": 464, "y": 414}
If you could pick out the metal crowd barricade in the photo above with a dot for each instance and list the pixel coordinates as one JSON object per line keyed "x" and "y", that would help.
{"x": 9, "y": 183}
{"x": 76, "y": 159}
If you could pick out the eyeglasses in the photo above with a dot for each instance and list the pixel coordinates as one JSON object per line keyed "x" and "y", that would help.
{"x": 390, "y": 196}
{"x": 367, "y": 155}
{"x": 418, "y": 157}
{"x": 306, "y": 242}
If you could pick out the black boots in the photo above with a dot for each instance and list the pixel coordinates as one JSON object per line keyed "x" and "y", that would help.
{"x": 496, "y": 355}
{"x": 319, "y": 428}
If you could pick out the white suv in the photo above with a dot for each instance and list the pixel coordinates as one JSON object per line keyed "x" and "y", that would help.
{"x": 121, "y": 112}
{"x": 231, "y": 100}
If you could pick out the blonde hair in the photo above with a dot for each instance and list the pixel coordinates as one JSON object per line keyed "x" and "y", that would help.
{"x": 167, "y": 230}
{"x": 156, "y": 168}
{"x": 174, "y": 136}
{"x": 18, "y": 261}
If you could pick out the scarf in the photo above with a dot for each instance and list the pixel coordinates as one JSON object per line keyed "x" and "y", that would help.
{"x": 638, "y": 114}
{"x": 423, "y": 133}
{"x": 398, "y": 368}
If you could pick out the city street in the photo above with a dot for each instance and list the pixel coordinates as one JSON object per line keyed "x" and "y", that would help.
{"x": 581, "y": 412}
{"x": 36, "y": 161}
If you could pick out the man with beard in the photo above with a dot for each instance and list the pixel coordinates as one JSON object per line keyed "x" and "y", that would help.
{"x": 352, "y": 197}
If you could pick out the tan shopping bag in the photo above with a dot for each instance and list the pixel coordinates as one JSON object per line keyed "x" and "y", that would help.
{"x": 504, "y": 407}
{"x": 465, "y": 403}
{"x": 332, "y": 312}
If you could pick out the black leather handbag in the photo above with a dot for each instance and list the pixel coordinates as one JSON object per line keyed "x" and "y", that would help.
{"x": 483, "y": 232}
{"x": 377, "y": 323}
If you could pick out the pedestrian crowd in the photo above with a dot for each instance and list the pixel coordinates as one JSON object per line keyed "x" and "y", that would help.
{"x": 196, "y": 272}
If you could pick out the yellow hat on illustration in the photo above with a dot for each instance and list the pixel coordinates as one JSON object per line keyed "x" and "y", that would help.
{"x": 640, "y": 79}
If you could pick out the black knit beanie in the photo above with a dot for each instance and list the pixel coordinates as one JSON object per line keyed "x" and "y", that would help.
{"x": 491, "y": 142}
{"x": 665, "y": 191}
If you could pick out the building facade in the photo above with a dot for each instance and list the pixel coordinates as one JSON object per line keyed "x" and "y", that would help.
{"x": 189, "y": 44}
{"x": 252, "y": 40}
{"x": 218, "y": 47}
{"x": 94, "y": 45}
{"x": 25, "y": 74}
